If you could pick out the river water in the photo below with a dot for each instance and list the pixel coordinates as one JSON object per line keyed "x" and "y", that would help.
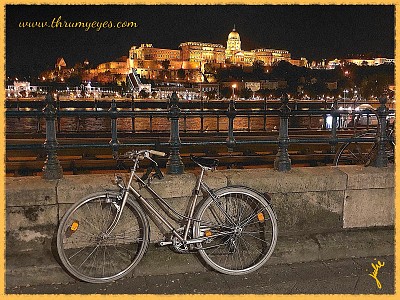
{"x": 155, "y": 124}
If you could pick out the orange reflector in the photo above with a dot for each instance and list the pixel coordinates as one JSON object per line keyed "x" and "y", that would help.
{"x": 208, "y": 233}
{"x": 260, "y": 217}
{"x": 74, "y": 226}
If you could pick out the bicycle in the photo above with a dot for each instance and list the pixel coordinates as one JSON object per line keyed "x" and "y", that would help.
{"x": 365, "y": 152}
{"x": 103, "y": 236}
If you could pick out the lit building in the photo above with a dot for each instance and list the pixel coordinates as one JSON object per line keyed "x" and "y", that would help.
{"x": 202, "y": 52}
{"x": 302, "y": 62}
{"x": 361, "y": 62}
{"x": 60, "y": 64}
{"x": 191, "y": 57}
{"x": 148, "y": 52}
{"x": 118, "y": 66}
{"x": 184, "y": 64}
{"x": 236, "y": 55}
{"x": 271, "y": 56}
{"x": 149, "y": 63}
{"x": 110, "y": 71}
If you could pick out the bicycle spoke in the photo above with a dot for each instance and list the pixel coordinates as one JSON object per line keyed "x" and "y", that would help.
{"x": 90, "y": 254}
{"x": 263, "y": 241}
{"x": 250, "y": 217}
{"x": 255, "y": 249}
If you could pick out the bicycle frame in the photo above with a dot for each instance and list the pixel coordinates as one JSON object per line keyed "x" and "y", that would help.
{"x": 200, "y": 185}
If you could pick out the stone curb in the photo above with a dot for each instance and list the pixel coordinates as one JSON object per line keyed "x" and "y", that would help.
{"x": 33, "y": 268}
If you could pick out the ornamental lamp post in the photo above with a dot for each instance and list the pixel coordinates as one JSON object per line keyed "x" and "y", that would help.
{"x": 233, "y": 90}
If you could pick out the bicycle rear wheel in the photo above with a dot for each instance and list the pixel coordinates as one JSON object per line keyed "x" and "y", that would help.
{"x": 240, "y": 230}
{"x": 356, "y": 153}
{"x": 92, "y": 255}
{"x": 362, "y": 153}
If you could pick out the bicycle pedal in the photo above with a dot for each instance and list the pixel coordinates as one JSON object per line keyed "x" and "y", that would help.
{"x": 165, "y": 243}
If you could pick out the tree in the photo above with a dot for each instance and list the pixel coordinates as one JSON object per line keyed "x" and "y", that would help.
{"x": 74, "y": 80}
{"x": 263, "y": 93}
{"x": 211, "y": 94}
{"x": 233, "y": 72}
{"x": 258, "y": 68}
{"x": 375, "y": 85}
{"x": 181, "y": 74}
{"x": 209, "y": 69}
{"x": 246, "y": 93}
{"x": 226, "y": 92}
{"x": 166, "y": 64}
{"x": 144, "y": 94}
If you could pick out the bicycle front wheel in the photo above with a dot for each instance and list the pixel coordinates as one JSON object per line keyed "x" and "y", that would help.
{"x": 239, "y": 229}
{"x": 92, "y": 254}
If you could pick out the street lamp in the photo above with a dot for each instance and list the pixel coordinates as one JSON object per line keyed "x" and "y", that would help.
{"x": 344, "y": 97}
{"x": 233, "y": 90}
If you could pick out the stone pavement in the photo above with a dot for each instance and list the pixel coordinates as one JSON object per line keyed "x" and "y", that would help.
{"x": 341, "y": 276}
{"x": 41, "y": 266}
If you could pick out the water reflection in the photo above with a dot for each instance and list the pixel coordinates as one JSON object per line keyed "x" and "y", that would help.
{"x": 155, "y": 124}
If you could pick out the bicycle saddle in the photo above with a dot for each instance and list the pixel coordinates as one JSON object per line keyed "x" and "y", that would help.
{"x": 204, "y": 162}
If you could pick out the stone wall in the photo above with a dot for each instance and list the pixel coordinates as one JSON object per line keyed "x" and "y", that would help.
{"x": 306, "y": 200}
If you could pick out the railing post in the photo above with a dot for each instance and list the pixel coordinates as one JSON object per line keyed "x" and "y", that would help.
{"x": 133, "y": 116}
{"x": 282, "y": 161}
{"x": 52, "y": 168}
{"x": 265, "y": 114}
{"x": 201, "y": 116}
{"x": 58, "y": 110}
{"x": 174, "y": 163}
{"x": 381, "y": 159}
{"x": 334, "y": 114}
{"x": 231, "y": 114}
{"x": 114, "y": 131}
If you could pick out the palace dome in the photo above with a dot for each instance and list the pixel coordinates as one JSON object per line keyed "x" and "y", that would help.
{"x": 234, "y": 35}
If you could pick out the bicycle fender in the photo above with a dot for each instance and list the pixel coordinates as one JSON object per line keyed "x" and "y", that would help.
{"x": 265, "y": 195}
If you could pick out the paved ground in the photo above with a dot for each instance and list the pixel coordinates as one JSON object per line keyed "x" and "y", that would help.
{"x": 342, "y": 276}
{"x": 295, "y": 267}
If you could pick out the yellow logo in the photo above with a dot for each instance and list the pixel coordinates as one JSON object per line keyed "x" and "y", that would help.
{"x": 374, "y": 273}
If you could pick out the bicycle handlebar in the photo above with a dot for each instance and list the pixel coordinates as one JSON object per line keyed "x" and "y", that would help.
{"x": 141, "y": 153}
{"x": 157, "y": 153}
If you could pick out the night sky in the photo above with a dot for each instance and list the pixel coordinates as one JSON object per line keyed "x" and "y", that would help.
{"x": 309, "y": 31}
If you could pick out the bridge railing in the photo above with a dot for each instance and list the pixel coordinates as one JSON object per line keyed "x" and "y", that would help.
{"x": 53, "y": 170}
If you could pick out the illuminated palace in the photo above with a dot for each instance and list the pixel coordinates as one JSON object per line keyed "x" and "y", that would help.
{"x": 236, "y": 55}
{"x": 192, "y": 56}
{"x": 187, "y": 63}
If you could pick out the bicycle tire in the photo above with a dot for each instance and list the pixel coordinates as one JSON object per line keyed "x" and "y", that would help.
{"x": 356, "y": 156}
{"x": 244, "y": 241}
{"x": 352, "y": 153}
{"x": 87, "y": 252}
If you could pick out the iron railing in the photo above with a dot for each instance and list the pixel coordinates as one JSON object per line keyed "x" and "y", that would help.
{"x": 53, "y": 170}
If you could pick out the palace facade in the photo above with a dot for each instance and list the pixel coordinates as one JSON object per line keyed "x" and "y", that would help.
{"x": 184, "y": 64}
{"x": 190, "y": 58}
{"x": 236, "y": 55}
